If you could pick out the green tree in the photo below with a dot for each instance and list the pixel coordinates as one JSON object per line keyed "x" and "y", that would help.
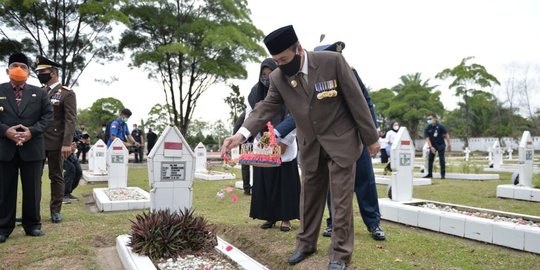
{"x": 72, "y": 33}
{"x": 236, "y": 102}
{"x": 159, "y": 118}
{"x": 102, "y": 111}
{"x": 466, "y": 80}
{"x": 413, "y": 101}
{"x": 190, "y": 45}
{"x": 381, "y": 100}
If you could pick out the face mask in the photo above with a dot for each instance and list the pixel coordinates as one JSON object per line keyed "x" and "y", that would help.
{"x": 396, "y": 127}
{"x": 103, "y": 129}
{"x": 18, "y": 74}
{"x": 430, "y": 122}
{"x": 44, "y": 77}
{"x": 265, "y": 80}
{"x": 125, "y": 119}
{"x": 292, "y": 67}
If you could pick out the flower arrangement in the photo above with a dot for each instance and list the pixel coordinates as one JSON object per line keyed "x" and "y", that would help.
{"x": 266, "y": 153}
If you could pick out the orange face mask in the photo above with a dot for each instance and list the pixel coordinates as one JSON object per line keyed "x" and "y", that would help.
{"x": 18, "y": 74}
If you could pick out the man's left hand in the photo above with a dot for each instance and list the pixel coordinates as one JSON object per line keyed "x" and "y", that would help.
{"x": 374, "y": 148}
{"x": 66, "y": 151}
{"x": 449, "y": 148}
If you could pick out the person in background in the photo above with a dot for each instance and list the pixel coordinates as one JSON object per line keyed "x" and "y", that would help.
{"x": 245, "y": 168}
{"x": 25, "y": 114}
{"x": 384, "y": 144}
{"x": 435, "y": 134}
{"x": 276, "y": 190}
{"x": 333, "y": 125}
{"x": 390, "y": 137}
{"x": 138, "y": 136}
{"x": 151, "y": 139}
{"x": 83, "y": 146}
{"x": 72, "y": 175}
{"x": 119, "y": 129}
{"x": 59, "y": 135}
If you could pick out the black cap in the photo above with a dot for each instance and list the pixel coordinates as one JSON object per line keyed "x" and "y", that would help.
{"x": 280, "y": 40}
{"x": 334, "y": 47}
{"x": 125, "y": 112}
{"x": 18, "y": 57}
{"x": 44, "y": 63}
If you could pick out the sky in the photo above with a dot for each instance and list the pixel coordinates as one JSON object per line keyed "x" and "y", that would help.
{"x": 384, "y": 40}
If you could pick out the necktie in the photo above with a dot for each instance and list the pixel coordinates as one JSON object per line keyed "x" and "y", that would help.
{"x": 302, "y": 81}
{"x": 18, "y": 94}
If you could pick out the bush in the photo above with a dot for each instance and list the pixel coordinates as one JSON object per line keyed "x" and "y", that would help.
{"x": 161, "y": 234}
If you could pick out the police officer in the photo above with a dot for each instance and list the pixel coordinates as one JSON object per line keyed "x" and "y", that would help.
{"x": 59, "y": 135}
{"x": 435, "y": 135}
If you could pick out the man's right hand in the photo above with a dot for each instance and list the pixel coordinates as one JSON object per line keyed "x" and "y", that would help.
{"x": 13, "y": 134}
{"x": 231, "y": 142}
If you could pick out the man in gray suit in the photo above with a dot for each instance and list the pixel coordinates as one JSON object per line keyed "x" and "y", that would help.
{"x": 25, "y": 113}
{"x": 333, "y": 125}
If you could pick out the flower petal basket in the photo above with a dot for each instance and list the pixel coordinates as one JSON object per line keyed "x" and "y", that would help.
{"x": 265, "y": 153}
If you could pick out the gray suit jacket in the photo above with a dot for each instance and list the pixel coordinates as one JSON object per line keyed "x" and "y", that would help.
{"x": 34, "y": 112}
{"x": 339, "y": 124}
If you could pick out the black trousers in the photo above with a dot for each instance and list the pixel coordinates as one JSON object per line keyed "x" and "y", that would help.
{"x": 72, "y": 174}
{"x": 31, "y": 172}
{"x": 245, "y": 177}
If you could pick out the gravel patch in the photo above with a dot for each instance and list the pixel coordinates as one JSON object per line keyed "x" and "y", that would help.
{"x": 123, "y": 194}
{"x": 205, "y": 261}
{"x": 479, "y": 214}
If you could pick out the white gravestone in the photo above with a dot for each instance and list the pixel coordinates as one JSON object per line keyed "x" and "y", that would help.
{"x": 200, "y": 155}
{"x": 467, "y": 153}
{"x": 490, "y": 155}
{"x": 497, "y": 155}
{"x": 99, "y": 158}
{"x": 235, "y": 153}
{"x": 403, "y": 159}
{"x": 526, "y": 157}
{"x": 425, "y": 156}
{"x": 90, "y": 156}
{"x": 510, "y": 151}
{"x": 171, "y": 168}
{"x": 117, "y": 161}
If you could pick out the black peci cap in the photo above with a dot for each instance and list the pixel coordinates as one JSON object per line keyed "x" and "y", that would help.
{"x": 44, "y": 63}
{"x": 18, "y": 57}
{"x": 280, "y": 40}
{"x": 334, "y": 47}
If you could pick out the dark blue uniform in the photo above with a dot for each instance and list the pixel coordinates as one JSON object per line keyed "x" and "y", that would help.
{"x": 436, "y": 134}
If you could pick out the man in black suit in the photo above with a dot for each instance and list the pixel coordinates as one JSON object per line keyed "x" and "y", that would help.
{"x": 25, "y": 113}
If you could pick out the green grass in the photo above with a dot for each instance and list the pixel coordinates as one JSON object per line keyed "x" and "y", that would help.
{"x": 73, "y": 244}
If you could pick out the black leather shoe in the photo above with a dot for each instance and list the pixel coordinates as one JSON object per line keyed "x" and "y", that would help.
{"x": 327, "y": 232}
{"x": 71, "y": 197}
{"x": 428, "y": 176}
{"x": 3, "y": 238}
{"x": 335, "y": 265}
{"x": 298, "y": 256}
{"x": 268, "y": 225}
{"x": 247, "y": 192}
{"x": 56, "y": 217}
{"x": 35, "y": 232}
{"x": 377, "y": 233}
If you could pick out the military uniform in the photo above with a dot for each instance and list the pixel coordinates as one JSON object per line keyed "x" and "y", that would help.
{"x": 59, "y": 133}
